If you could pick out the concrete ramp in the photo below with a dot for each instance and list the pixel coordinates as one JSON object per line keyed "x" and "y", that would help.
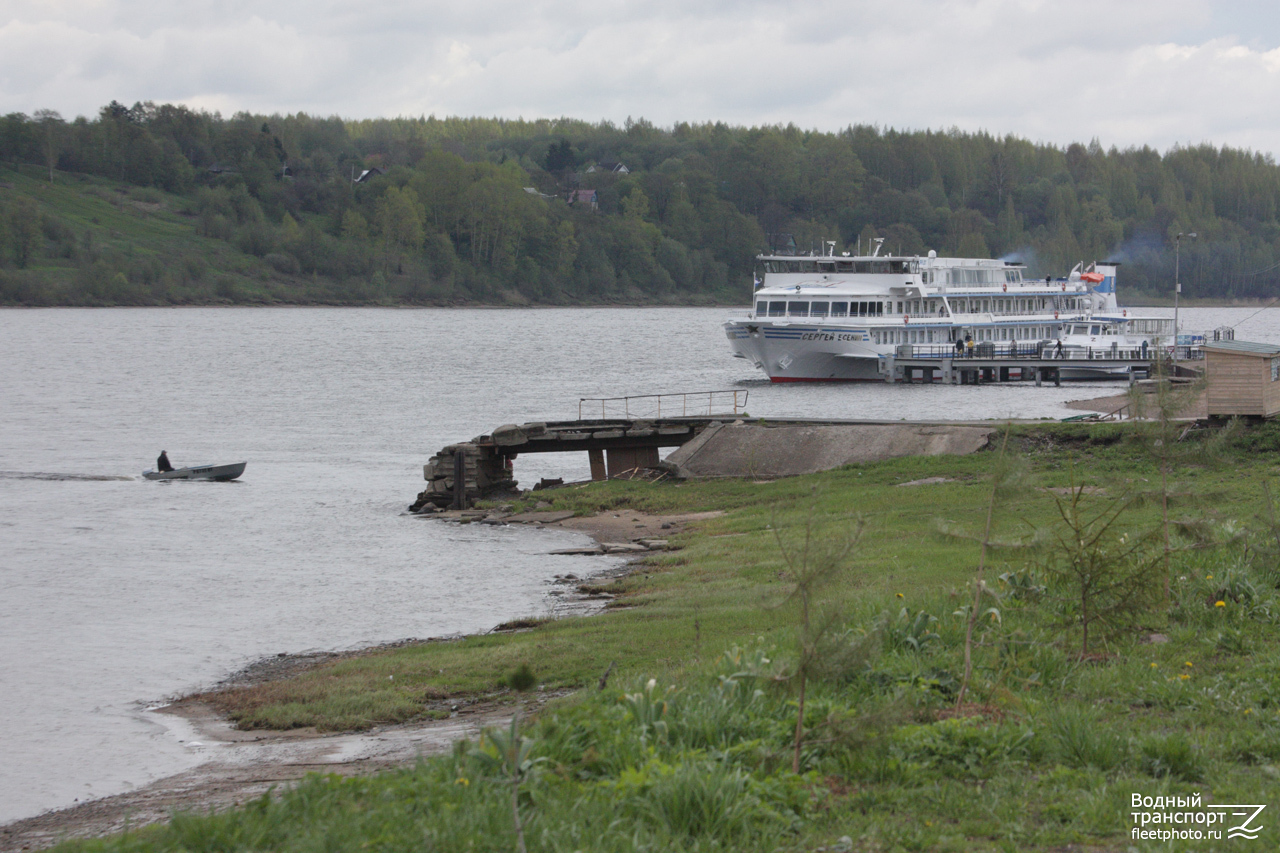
{"x": 785, "y": 450}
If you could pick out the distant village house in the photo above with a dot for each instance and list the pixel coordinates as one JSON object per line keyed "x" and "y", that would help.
{"x": 589, "y": 198}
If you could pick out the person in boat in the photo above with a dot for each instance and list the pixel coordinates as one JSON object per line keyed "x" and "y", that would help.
{"x": 162, "y": 463}
{"x": 968, "y": 346}
{"x": 959, "y": 347}
{"x": 1058, "y": 354}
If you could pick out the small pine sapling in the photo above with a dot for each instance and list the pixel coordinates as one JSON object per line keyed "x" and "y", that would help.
{"x": 812, "y": 563}
{"x": 1105, "y": 578}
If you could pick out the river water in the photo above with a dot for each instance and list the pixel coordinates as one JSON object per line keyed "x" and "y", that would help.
{"x": 120, "y": 592}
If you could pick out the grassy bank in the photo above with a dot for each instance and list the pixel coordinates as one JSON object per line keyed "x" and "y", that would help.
{"x": 1046, "y": 752}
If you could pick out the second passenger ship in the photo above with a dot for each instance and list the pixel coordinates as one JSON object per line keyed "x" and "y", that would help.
{"x": 833, "y": 317}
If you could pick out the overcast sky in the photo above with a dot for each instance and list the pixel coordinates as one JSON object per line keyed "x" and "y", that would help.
{"x": 1128, "y": 72}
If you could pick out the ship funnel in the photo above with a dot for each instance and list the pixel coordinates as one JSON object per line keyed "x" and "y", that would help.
{"x": 1107, "y": 287}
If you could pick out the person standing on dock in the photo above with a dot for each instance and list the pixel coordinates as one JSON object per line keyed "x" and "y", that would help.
{"x": 162, "y": 463}
{"x": 959, "y": 348}
{"x": 1058, "y": 353}
{"x": 968, "y": 346}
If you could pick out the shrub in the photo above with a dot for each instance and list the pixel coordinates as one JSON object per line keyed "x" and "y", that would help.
{"x": 1173, "y": 757}
{"x": 1079, "y": 739}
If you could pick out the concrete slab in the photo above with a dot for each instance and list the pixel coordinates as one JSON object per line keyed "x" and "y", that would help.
{"x": 754, "y": 450}
{"x": 548, "y": 517}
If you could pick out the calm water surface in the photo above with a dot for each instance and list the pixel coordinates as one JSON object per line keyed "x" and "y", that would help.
{"x": 118, "y": 592}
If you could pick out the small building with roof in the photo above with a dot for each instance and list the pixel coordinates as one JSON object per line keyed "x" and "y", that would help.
{"x": 587, "y": 198}
{"x": 1242, "y": 379}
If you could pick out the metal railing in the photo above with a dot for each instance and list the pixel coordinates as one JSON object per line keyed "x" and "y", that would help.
{"x": 679, "y": 405}
{"x": 1050, "y": 352}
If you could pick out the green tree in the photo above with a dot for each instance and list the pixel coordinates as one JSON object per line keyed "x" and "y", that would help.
{"x": 51, "y": 125}
{"x": 400, "y": 223}
{"x": 355, "y": 227}
{"x": 25, "y": 237}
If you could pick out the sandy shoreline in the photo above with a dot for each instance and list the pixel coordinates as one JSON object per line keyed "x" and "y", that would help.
{"x": 240, "y": 766}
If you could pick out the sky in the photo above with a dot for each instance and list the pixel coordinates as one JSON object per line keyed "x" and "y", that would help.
{"x": 1126, "y": 72}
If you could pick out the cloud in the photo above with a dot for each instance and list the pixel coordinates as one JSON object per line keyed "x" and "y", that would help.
{"x": 1134, "y": 73}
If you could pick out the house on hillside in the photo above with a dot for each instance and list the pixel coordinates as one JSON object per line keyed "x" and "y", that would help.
{"x": 586, "y": 198}
{"x": 1242, "y": 379}
{"x": 608, "y": 166}
{"x": 369, "y": 174}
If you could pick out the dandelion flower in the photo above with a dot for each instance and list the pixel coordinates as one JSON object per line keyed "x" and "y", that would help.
{"x": 1248, "y": 710}
{"x": 1219, "y": 604}
{"x": 1188, "y": 663}
{"x": 1154, "y": 665}
{"x": 462, "y": 780}
{"x": 899, "y": 595}
{"x": 1184, "y": 676}
{"x": 1208, "y": 577}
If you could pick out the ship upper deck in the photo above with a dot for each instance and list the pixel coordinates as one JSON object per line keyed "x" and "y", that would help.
{"x": 899, "y": 275}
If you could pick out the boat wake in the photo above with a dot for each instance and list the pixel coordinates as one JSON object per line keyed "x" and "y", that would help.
{"x": 40, "y": 475}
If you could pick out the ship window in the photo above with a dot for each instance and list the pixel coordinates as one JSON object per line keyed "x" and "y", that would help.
{"x": 826, "y": 266}
{"x": 808, "y": 266}
{"x": 1093, "y": 330}
{"x": 844, "y": 266}
{"x": 797, "y": 309}
{"x": 839, "y": 309}
{"x": 818, "y": 309}
{"x": 762, "y": 307}
{"x": 777, "y": 309}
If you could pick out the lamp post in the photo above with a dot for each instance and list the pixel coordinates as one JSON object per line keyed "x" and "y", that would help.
{"x": 1177, "y": 288}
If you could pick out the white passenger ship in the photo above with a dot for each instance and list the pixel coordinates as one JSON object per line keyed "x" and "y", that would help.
{"x": 834, "y": 317}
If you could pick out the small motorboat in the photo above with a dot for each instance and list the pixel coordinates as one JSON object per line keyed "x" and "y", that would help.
{"x": 221, "y": 473}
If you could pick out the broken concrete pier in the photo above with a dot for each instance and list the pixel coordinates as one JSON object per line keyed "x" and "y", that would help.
{"x": 707, "y": 447}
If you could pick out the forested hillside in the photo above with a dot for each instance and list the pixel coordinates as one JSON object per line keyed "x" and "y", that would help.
{"x": 160, "y": 204}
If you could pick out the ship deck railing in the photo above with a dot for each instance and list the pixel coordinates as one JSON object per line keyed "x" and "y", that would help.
{"x": 1012, "y": 351}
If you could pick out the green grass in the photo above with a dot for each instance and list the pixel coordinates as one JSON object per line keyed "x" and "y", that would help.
{"x": 726, "y": 580}
{"x": 144, "y": 232}
{"x": 1046, "y": 757}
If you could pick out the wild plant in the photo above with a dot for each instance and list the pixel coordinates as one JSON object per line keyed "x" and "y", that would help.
{"x": 1174, "y": 756}
{"x": 1102, "y": 575}
{"x": 812, "y": 563}
{"x": 648, "y": 707}
{"x": 1080, "y": 740}
{"x": 963, "y": 746}
{"x": 508, "y": 754}
{"x": 915, "y": 632}
{"x": 1007, "y": 479}
{"x": 1160, "y": 432}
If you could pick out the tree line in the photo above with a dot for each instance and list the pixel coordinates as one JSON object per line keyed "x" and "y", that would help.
{"x": 561, "y": 211}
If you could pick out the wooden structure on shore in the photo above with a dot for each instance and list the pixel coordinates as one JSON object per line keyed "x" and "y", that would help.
{"x": 614, "y": 446}
{"x": 1243, "y": 379}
